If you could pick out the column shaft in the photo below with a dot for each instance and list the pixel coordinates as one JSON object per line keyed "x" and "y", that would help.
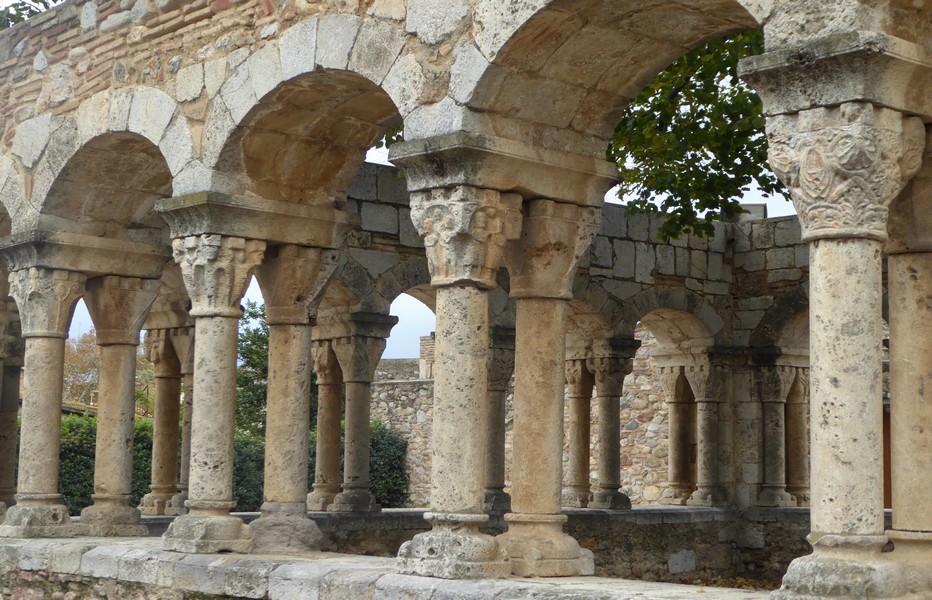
{"x": 164, "y": 445}
{"x": 708, "y": 486}
{"x": 327, "y": 466}
{"x": 40, "y": 437}
{"x": 797, "y": 450}
{"x": 9, "y": 409}
{"x": 579, "y": 396}
{"x": 177, "y": 506}
{"x": 501, "y": 369}
{"x": 679, "y": 468}
{"x": 773, "y": 490}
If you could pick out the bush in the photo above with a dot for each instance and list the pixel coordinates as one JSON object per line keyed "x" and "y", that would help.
{"x": 248, "y": 471}
{"x": 387, "y": 466}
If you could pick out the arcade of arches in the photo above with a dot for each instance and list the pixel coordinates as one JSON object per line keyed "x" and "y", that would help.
{"x": 156, "y": 155}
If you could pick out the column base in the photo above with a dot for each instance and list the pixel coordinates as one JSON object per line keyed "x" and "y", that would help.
{"x": 775, "y": 497}
{"x": 497, "y": 502}
{"x": 538, "y": 547}
{"x": 802, "y": 496}
{"x": 454, "y": 549}
{"x": 105, "y": 519}
{"x": 913, "y": 548}
{"x": 177, "y": 507}
{"x": 575, "y": 498}
{"x": 610, "y": 500}
{"x": 155, "y": 503}
{"x": 675, "y": 496}
{"x": 321, "y": 499}
{"x": 354, "y": 501}
{"x": 711, "y": 496}
{"x": 38, "y": 521}
{"x": 207, "y": 534}
{"x": 851, "y": 567}
{"x": 283, "y": 528}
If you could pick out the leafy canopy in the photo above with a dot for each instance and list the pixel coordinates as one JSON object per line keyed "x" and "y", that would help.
{"x": 20, "y": 11}
{"x": 692, "y": 143}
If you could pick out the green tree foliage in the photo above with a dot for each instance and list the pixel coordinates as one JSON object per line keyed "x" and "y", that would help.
{"x": 20, "y": 11}
{"x": 252, "y": 376}
{"x": 692, "y": 143}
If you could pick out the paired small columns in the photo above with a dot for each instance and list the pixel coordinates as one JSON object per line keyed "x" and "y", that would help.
{"x": 774, "y": 385}
{"x": 501, "y": 369}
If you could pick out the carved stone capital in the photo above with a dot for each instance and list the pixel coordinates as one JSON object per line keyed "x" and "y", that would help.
{"x": 292, "y": 279}
{"x": 465, "y": 230}
{"x": 578, "y": 378}
{"x": 216, "y": 270}
{"x": 554, "y": 236}
{"x": 326, "y": 366}
{"x": 673, "y": 383}
{"x": 801, "y": 385}
{"x": 358, "y": 357}
{"x": 610, "y": 373}
{"x": 501, "y": 368}
{"x": 705, "y": 379}
{"x": 46, "y": 299}
{"x": 161, "y": 353}
{"x": 774, "y": 382}
{"x": 845, "y": 165}
{"x": 118, "y": 307}
{"x": 11, "y": 339}
{"x": 182, "y": 339}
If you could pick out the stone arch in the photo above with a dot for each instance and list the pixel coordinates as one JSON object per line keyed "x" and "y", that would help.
{"x": 559, "y": 73}
{"x": 619, "y": 316}
{"x": 51, "y": 143}
{"x": 411, "y": 275}
{"x": 677, "y": 316}
{"x": 11, "y": 193}
{"x": 294, "y": 120}
{"x": 766, "y": 338}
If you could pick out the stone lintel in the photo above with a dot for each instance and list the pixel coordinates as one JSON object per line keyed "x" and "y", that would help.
{"x": 855, "y": 66}
{"x": 362, "y": 324}
{"x": 615, "y": 348}
{"x": 84, "y": 254}
{"x": 256, "y": 218}
{"x": 504, "y": 165}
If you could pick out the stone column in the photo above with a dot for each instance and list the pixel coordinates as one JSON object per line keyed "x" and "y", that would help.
{"x": 329, "y": 412}
{"x": 183, "y": 342}
{"x": 46, "y": 299}
{"x": 292, "y": 279}
{"x": 706, "y": 383}
{"x": 216, "y": 270}
{"x": 797, "y": 438}
{"x": 844, "y": 166}
{"x": 773, "y": 385}
{"x": 680, "y": 484}
{"x": 501, "y": 368}
{"x": 164, "y": 483}
{"x": 10, "y": 370}
{"x": 542, "y": 264}
{"x": 465, "y": 230}
{"x": 359, "y": 356}
{"x": 610, "y": 373}
{"x": 579, "y": 384}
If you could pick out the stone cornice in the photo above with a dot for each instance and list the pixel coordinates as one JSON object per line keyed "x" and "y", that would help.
{"x": 82, "y": 253}
{"x": 505, "y": 165}
{"x": 258, "y": 219}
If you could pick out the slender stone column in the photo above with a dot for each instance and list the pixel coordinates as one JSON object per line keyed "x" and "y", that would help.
{"x": 610, "y": 373}
{"x": 542, "y": 264}
{"x": 706, "y": 384}
{"x": 844, "y": 166}
{"x": 359, "y": 356}
{"x": 46, "y": 299}
{"x": 329, "y": 411}
{"x": 118, "y": 307}
{"x": 579, "y": 384}
{"x": 216, "y": 270}
{"x": 797, "y": 438}
{"x": 164, "y": 483}
{"x": 773, "y": 386}
{"x": 10, "y": 370}
{"x": 680, "y": 484}
{"x": 501, "y": 368}
{"x": 183, "y": 342}
{"x": 292, "y": 279}
{"x": 464, "y": 231}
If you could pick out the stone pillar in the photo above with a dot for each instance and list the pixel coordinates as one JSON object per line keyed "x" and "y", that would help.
{"x": 579, "y": 384}
{"x": 542, "y": 264}
{"x": 118, "y": 306}
{"x": 329, "y": 412}
{"x": 501, "y": 368}
{"x": 681, "y": 483}
{"x": 844, "y": 166}
{"x": 216, "y": 270}
{"x": 706, "y": 383}
{"x": 46, "y": 299}
{"x": 610, "y": 373}
{"x": 465, "y": 230}
{"x": 797, "y": 438}
{"x": 183, "y": 342}
{"x": 292, "y": 279}
{"x": 164, "y": 482}
{"x": 10, "y": 370}
{"x": 773, "y": 385}
{"x": 359, "y": 356}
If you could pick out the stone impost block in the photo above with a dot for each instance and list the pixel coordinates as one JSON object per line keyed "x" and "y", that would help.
{"x": 256, "y": 218}
{"x": 118, "y": 307}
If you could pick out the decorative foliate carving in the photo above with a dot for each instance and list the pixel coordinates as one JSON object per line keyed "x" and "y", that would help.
{"x": 610, "y": 373}
{"x": 554, "y": 237}
{"x": 673, "y": 383}
{"x": 705, "y": 380}
{"x": 774, "y": 382}
{"x": 501, "y": 368}
{"x": 465, "y": 230}
{"x": 800, "y": 389}
{"x": 844, "y": 166}
{"x": 358, "y": 357}
{"x": 46, "y": 298}
{"x": 325, "y": 362}
{"x": 216, "y": 270}
{"x": 119, "y": 306}
{"x": 160, "y": 351}
{"x": 578, "y": 378}
{"x": 292, "y": 279}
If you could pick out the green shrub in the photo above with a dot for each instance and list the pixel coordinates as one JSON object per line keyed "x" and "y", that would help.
{"x": 387, "y": 466}
{"x": 248, "y": 471}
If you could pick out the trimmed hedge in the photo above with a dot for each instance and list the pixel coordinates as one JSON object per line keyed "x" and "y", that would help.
{"x": 76, "y": 480}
